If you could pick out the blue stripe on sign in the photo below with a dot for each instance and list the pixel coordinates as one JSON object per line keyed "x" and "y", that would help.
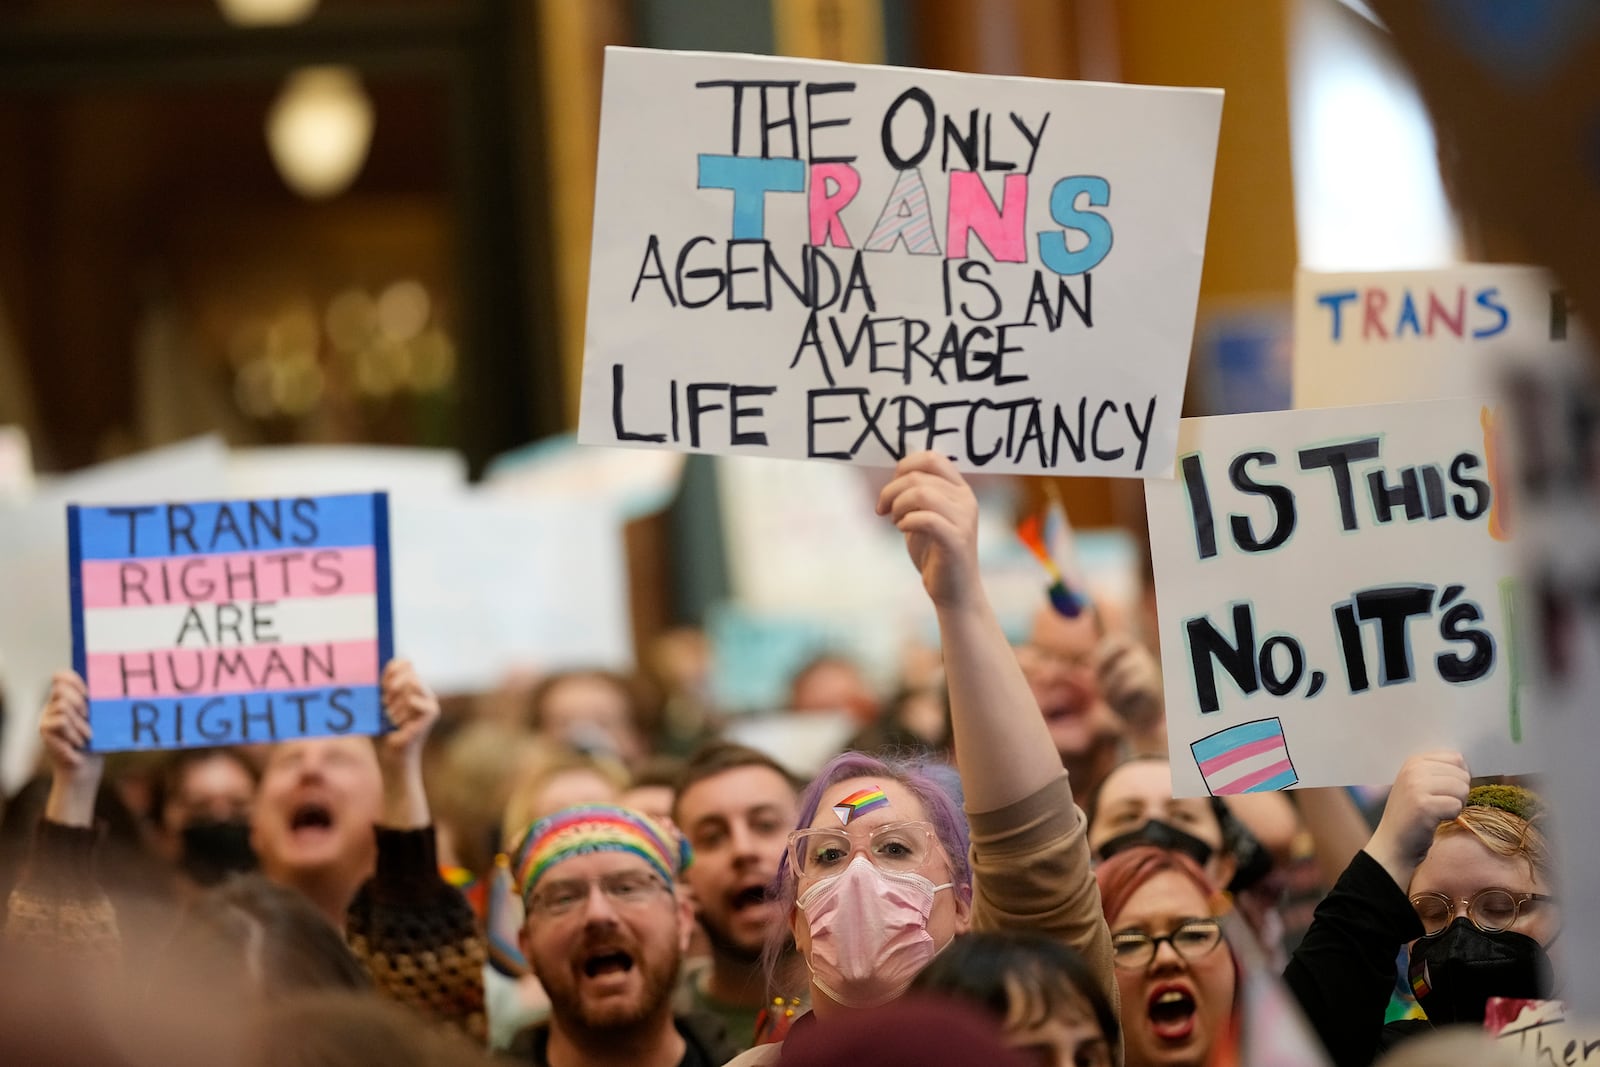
{"x": 234, "y": 718}
{"x": 380, "y": 555}
{"x": 1227, "y": 740}
{"x": 1281, "y": 781}
{"x": 80, "y": 649}
{"x": 148, "y": 530}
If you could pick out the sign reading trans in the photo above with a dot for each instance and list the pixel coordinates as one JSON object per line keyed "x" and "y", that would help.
{"x": 231, "y": 622}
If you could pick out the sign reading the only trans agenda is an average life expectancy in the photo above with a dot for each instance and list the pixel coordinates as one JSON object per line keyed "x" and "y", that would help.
{"x": 231, "y": 622}
{"x": 818, "y": 260}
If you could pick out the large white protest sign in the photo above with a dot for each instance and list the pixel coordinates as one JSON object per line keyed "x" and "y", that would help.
{"x": 485, "y": 584}
{"x": 1336, "y": 591}
{"x": 820, "y": 260}
{"x": 1377, "y": 338}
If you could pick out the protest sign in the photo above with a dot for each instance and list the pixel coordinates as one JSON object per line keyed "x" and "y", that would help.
{"x": 819, "y": 260}
{"x": 1377, "y": 338}
{"x": 486, "y": 587}
{"x": 16, "y": 464}
{"x": 540, "y": 562}
{"x": 1336, "y": 591}
{"x": 35, "y": 619}
{"x": 1513, "y": 90}
{"x": 1543, "y": 1032}
{"x": 230, "y": 622}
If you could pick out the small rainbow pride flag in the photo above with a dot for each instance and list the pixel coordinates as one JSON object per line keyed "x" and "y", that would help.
{"x": 1249, "y": 758}
{"x": 1050, "y": 541}
{"x": 859, "y": 803}
{"x": 1420, "y": 985}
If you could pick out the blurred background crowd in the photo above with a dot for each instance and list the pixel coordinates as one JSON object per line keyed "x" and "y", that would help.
{"x": 358, "y": 223}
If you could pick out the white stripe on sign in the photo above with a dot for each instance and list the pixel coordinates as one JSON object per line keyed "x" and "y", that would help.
{"x": 286, "y": 622}
{"x": 1248, "y": 765}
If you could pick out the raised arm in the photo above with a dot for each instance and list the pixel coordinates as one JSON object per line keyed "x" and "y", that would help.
{"x": 414, "y": 931}
{"x": 1001, "y": 741}
{"x": 1430, "y": 789}
{"x": 1344, "y": 970}
{"x": 58, "y": 906}
{"x": 1030, "y": 855}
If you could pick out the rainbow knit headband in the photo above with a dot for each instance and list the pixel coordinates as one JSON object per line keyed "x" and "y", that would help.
{"x": 588, "y": 828}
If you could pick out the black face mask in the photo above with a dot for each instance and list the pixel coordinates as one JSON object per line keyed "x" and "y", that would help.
{"x": 1162, "y": 835}
{"x": 1455, "y": 972}
{"x": 214, "y": 850}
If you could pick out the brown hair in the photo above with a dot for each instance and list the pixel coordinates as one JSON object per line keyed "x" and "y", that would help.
{"x": 264, "y": 937}
{"x": 1123, "y": 874}
{"x": 625, "y": 686}
{"x": 522, "y": 809}
{"x": 175, "y": 767}
{"x": 719, "y": 757}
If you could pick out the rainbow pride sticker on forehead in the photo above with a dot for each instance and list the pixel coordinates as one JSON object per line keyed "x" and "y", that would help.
{"x": 859, "y": 803}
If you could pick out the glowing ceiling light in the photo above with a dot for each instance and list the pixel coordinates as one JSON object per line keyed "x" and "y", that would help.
{"x": 319, "y": 129}
{"x": 266, "y": 12}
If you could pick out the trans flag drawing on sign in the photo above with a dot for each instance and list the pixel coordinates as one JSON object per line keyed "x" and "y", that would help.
{"x": 1250, "y": 758}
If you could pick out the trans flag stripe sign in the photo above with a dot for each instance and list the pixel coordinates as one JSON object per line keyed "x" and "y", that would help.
{"x": 231, "y": 622}
{"x": 1249, "y": 758}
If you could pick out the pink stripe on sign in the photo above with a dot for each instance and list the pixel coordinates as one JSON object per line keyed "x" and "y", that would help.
{"x": 1243, "y": 752}
{"x": 219, "y": 579}
{"x": 1243, "y": 784}
{"x": 180, "y": 672}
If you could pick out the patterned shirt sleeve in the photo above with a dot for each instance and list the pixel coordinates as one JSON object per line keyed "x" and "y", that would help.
{"x": 417, "y": 935}
{"x": 59, "y": 907}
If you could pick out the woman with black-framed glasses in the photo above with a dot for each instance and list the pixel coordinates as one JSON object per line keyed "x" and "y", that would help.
{"x": 1176, "y": 977}
{"x": 1461, "y": 875}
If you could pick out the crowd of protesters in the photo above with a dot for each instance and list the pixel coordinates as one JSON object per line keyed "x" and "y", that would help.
{"x": 994, "y": 872}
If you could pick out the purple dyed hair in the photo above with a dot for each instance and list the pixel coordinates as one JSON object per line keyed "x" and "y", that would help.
{"x": 936, "y": 787}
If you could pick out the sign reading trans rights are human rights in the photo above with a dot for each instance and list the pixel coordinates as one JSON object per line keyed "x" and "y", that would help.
{"x": 819, "y": 260}
{"x": 232, "y": 622}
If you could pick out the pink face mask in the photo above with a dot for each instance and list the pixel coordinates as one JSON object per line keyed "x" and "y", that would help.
{"x": 869, "y": 932}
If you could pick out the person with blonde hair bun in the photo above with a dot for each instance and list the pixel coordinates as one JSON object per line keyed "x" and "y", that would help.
{"x": 1461, "y": 875}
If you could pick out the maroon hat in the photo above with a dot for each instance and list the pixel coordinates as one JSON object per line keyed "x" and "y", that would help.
{"x": 908, "y": 1032}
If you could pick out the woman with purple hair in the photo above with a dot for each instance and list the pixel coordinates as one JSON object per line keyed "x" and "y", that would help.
{"x": 883, "y": 870}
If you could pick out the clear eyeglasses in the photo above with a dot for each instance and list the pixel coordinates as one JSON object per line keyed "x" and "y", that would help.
{"x": 1490, "y": 910}
{"x": 1191, "y": 939}
{"x": 625, "y": 889}
{"x": 896, "y": 846}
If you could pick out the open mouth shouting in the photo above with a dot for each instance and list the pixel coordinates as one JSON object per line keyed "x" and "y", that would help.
{"x": 749, "y": 896}
{"x": 1172, "y": 1008}
{"x": 311, "y": 817}
{"x": 606, "y": 966}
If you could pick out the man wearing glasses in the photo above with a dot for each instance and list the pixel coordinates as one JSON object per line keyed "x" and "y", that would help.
{"x": 606, "y": 930}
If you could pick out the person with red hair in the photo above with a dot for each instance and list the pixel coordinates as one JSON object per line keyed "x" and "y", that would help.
{"x": 1175, "y": 973}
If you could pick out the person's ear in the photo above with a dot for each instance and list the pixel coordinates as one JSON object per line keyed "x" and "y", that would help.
{"x": 685, "y": 905}
{"x": 686, "y": 891}
{"x": 1221, "y": 868}
{"x": 525, "y": 944}
{"x": 963, "y": 896}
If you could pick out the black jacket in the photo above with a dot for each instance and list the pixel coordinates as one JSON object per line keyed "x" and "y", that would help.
{"x": 705, "y": 1043}
{"x": 1344, "y": 970}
